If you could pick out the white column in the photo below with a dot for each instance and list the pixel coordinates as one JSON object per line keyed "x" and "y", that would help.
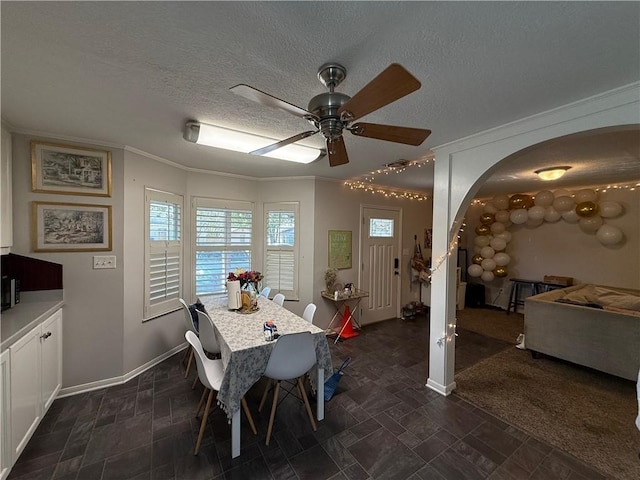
{"x": 443, "y": 282}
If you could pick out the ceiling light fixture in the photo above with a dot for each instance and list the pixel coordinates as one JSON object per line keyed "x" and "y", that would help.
{"x": 552, "y": 173}
{"x": 219, "y": 137}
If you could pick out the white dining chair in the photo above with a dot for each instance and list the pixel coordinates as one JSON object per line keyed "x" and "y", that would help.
{"x": 210, "y": 373}
{"x": 309, "y": 312}
{"x": 265, "y": 292}
{"x": 293, "y": 346}
{"x": 189, "y": 327}
{"x": 279, "y": 299}
{"x": 207, "y": 334}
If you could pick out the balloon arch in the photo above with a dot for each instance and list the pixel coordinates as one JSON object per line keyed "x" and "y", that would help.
{"x": 582, "y": 208}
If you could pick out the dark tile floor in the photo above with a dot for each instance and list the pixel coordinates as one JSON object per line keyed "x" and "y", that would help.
{"x": 383, "y": 423}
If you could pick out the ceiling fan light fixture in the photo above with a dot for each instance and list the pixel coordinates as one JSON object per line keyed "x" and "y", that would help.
{"x": 243, "y": 142}
{"x": 552, "y": 173}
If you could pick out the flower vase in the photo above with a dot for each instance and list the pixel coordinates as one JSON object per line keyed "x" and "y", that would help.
{"x": 250, "y": 289}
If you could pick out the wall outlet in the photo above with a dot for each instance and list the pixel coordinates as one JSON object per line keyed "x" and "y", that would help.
{"x": 104, "y": 261}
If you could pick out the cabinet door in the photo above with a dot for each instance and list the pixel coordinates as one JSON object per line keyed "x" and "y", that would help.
{"x": 51, "y": 343}
{"x": 5, "y": 416}
{"x": 26, "y": 399}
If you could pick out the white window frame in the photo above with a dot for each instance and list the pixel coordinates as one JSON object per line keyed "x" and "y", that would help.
{"x": 268, "y": 249}
{"x": 222, "y": 204}
{"x": 172, "y": 249}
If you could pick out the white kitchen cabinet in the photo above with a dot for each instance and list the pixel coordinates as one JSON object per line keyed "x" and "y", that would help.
{"x": 26, "y": 403}
{"x": 6, "y": 210}
{"x": 5, "y": 416}
{"x": 51, "y": 342}
{"x": 35, "y": 379}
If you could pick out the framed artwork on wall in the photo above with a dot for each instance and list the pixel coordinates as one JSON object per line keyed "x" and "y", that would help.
{"x": 340, "y": 249}
{"x": 70, "y": 170}
{"x": 70, "y": 227}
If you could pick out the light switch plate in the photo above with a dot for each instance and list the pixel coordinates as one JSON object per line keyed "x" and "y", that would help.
{"x": 104, "y": 261}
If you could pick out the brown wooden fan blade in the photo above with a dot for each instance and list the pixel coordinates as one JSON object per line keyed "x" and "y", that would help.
{"x": 391, "y": 133}
{"x": 283, "y": 143}
{"x": 392, "y": 84}
{"x": 337, "y": 152}
{"x": 263, "y": 98}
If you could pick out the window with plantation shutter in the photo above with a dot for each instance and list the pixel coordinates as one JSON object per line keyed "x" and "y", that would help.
{"x": 223, "y": 242}
{"x": 281, "y": 248}
{"x": 163, "y": 252}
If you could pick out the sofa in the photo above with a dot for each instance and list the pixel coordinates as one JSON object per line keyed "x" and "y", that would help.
{"x": 591, "y": 325}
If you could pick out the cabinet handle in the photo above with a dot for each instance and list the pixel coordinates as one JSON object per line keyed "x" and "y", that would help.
{"x": 45, "y": 336}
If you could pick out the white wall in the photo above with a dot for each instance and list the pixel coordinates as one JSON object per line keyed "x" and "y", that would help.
{"x": 92, "y": 326}
{"x": 338, "y": 208}
{"x": 564, "y": 249}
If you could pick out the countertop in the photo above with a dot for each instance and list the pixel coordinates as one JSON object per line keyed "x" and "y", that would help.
{"x": 33, "y": 309}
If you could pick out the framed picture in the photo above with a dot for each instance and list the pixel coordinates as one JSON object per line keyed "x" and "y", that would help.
{"x": 340, "y": 249}
{"x": 70, "y": 170}
{"x": 70, "y": 227}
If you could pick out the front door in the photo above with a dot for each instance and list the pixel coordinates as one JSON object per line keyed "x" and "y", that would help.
{"x": 380, "y": 243}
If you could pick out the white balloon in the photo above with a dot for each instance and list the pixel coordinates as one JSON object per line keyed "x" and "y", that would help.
{"x": 506, "y": 236}
{"x": 490, "y": 208}
{"x": 562, "y": 193}
{"x": 498, "y": 244}
{"x": 497, "y": 227}
{"x": 543, "y": 198}
{"x": 609, "y": 235}
{"x": 519, "y": 216}
{"x": 537, "y": 212}
{"x": 563, "y": 203}
{"x": 487, "y": 252}
{"x": 570, "y": 216}
{"x": 488, "y": 264}
{"x": 585, "y": 195}
{"x": 502, "y": 216}
{"x": 609, "y": 209}
{"x": 482, "y": 240}
{"x": 475, "y": 270}
{"x": 501, "y": 202}
{"x": 477, "y": 249}
{"x": 551, "y": 215}
{"x": 487, "y": 276}
{"x": 590, "y": 224}
{"x": 502, "y": 259}
{"x": 534, "y": 222}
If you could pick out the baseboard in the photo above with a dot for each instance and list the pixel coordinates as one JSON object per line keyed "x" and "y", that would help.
{"x": 110, "y": 382}
{"x": 445, "y": 390}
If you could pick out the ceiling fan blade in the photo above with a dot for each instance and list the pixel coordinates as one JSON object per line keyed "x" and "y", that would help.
{"x": 337, "y": 152}
{"x": 391, "y": 133}
{"x": 256, "y": 95}
{"x": 392, "y": 84}
{"x": 283, "y": 143}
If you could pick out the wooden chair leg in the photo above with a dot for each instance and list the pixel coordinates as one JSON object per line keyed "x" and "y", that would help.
{"x": 201, "y": 404}
{"x": 245, "y": 407}
{"x": 187, "y": 351}
{"x": 203, "y": 424}
{"x": 186, "y": 374}
{"x": 264, "y": 395}
{"x": 306, "y": 403}
{"x": 276, "y": 390}
{"x": 195, "y": 382}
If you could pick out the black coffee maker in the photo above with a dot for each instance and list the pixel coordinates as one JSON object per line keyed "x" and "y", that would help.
{"x": 10, "y": 292}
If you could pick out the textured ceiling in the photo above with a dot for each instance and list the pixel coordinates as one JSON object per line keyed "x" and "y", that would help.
{"x": 132, "y": 73}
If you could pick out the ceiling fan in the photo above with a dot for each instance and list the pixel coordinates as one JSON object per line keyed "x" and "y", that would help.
{"x": 332, "y": 112}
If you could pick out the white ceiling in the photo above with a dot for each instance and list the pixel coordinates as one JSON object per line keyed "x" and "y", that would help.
{"x": 132, "y": 73}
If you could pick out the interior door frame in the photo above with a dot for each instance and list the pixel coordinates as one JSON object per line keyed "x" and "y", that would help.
{"x": 399, "y": 211}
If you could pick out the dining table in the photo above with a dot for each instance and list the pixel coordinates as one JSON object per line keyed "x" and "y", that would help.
{"x": 245, "y": 353}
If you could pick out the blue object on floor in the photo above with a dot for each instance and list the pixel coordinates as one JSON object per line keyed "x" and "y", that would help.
{"x": 332, "y": 383}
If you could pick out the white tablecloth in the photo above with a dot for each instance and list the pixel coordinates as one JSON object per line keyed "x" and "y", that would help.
{"x": 244, "y": 350}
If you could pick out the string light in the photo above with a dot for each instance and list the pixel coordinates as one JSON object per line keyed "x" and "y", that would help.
{"x": 367, "y": 181}
{"x": 387, "y": 192}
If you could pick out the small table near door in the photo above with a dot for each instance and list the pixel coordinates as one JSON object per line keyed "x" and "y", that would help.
{"x": 341, "y": 303}
{"x": 245, "y": 353}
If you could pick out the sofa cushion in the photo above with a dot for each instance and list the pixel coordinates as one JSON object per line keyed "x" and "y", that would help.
{"x": 593, "y": 294}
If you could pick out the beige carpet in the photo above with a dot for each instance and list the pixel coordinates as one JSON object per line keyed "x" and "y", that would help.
{"x": 492, "y": 323}
{"x": 583, "y": 412}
